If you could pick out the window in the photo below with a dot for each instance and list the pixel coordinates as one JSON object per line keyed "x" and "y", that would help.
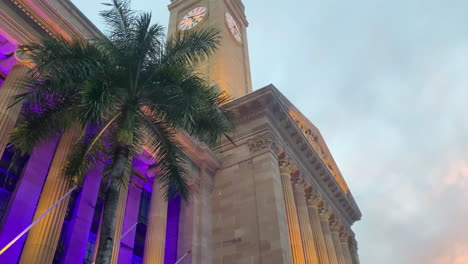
{"x": 9, "y": 177}
{"x": 4, "y": 198}
{"x": 137, "y": 260}
{"x": 145, "y": 201}
{"x": 66, "y": 225}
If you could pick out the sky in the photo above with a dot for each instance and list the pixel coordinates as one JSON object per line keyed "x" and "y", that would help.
{"x": 386, "y": 84}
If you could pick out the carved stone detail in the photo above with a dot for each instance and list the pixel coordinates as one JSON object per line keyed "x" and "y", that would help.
{"x": 296, "y": 176}
{"x": 335, "y": 226}
{"x": 313, "y": 196}
{"x": 263, "y": 142}
{"x": 325, "y": 213}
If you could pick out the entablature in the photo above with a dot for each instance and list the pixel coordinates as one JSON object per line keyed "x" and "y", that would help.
{"x": 39, "y": 18}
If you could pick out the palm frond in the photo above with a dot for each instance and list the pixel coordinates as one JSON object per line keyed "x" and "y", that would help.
{"x": 190, "y": 48}
{"x": 99, "y": 98}
{"x": 41, "y": 124}
{"x": 170, "y": 158}
{"x": 86, "y": 152}
{"x": 119, "y": 19}
{"x": 185, "y": 101}
{"x": 64, "y": 62}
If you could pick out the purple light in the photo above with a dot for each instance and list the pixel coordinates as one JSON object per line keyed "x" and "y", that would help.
{"x": 172, "y": 230}
{"x": 6, "y": 60}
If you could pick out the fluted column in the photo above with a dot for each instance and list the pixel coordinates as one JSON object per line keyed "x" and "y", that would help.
{"x": 313, "y": 201}
{"x": 43, "y": 237}
{"x": 123, "y": 193}
{"x": 291, "y": 213}
{"x": 344, "y": 238}
{"x": 81, "y": 224}
{"x": 308, "y": 243}
{"x": 130, "y": 219}
{"x": 156, "y": 233}
{"x": 23, "y": 202}
{"x": 325, "y": 222}
{"x": 13, "y": 85}
{"x": 353, "y": 248}
{"x": 335, "y": 229}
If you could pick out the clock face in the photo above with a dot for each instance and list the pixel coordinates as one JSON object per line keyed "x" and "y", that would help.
{"x": 235, "y": 30}
{"x": 193, "y": 18}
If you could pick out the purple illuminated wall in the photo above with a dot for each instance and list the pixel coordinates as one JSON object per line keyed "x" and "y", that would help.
{"x": 172, "y": 231}
{"x": 6, "y": 61}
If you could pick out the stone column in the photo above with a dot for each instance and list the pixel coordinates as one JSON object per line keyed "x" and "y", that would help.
{"x": 13, "y": 85}
{"x": 291, "y": 212}
{"x": 81, "y": 224}
{"x": 156, "y": 232}
{"x": 310, "y": 252}
{"x": 119, "y": 223}
{"x": 344, "y": 238}
{"x": 130, "y": 219}
{"x": 353, "y": 248}
{"x": 24, "y": 200}
{"x": 325, "y": 222}
{"x": 190, "y": 218}
{"x": 313, "y": 202}
{"x": 43, "y": 237}
{"x": 335, "y": 229}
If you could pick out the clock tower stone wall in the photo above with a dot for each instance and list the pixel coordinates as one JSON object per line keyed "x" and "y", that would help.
{"x": 229, "y": 67}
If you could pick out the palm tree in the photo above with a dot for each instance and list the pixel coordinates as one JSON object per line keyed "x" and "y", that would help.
{"x": 132, "y": 89}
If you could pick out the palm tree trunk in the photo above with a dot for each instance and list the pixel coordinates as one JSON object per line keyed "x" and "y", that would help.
{"x": 122, "y": 158}
{"x": 111, "y": 202}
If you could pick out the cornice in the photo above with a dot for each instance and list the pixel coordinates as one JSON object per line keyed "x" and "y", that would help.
{"x": 34, "y": 18}
{"x": 47, "y": 20}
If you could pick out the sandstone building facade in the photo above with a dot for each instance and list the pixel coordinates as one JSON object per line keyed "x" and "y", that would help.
{"x": 275, "y": 196}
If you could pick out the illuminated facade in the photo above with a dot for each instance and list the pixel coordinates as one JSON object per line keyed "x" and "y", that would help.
{"x": 276, "y": 196}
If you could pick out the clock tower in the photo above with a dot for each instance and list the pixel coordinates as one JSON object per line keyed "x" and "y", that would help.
{"x": 229, "y": 67}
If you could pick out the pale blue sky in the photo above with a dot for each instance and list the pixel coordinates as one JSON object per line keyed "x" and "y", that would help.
{"x": 386, "y": 83}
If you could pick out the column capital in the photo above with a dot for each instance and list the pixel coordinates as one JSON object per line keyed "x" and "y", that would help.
{"x": 284, "y": 164}
{"x": 263, "y": 142}
{"x": 353, "y": 243}
{"x": 296, "y": 176}
{"x": 344, "y": 236}
{"x": 335, "y": 226}
{"x": 313, "y": 197}
{"x": 325, "y": 213}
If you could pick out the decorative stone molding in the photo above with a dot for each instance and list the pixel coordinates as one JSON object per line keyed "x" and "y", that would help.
{"x": 34, "y": 18}
{"x": 283, "y": 163}
{"x": 325, "y": 213}
{"x": 296, "y": 176}
{"x": 335, "y": 226}
{"x": 312, "y": 196}
{"x": 263, "y": 142}
{"x": 344, "y": 236}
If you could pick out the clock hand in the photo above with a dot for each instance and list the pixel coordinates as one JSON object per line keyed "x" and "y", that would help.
{"x": 192, "y": 17}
